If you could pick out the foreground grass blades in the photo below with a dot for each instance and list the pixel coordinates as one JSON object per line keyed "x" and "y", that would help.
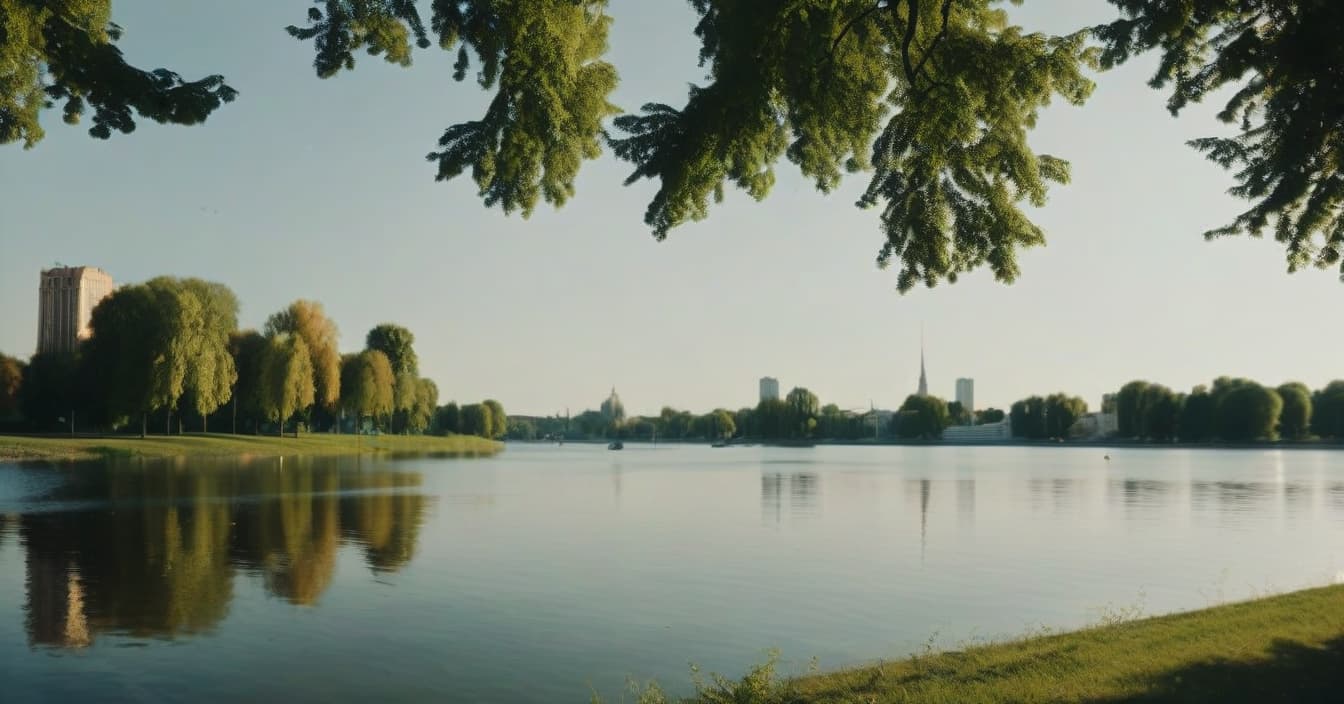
{"x": 218, "y": 445}
{"x": 1287, "y": 648}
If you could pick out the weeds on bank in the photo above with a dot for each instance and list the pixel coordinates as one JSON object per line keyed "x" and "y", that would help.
{"x": 761, "y": 685}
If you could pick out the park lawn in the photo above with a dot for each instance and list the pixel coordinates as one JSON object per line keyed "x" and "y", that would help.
{"x": 1287, "y": 648}
{"x": 14, "y": 447}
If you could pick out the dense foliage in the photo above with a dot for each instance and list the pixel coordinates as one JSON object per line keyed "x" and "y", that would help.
{"x": 171, "y": 348}
{"x": 935, "y": 99}
{"x": 1231, "y": 410}
{"x": 921, "y": 418}
{"x": 1051, "y": 417}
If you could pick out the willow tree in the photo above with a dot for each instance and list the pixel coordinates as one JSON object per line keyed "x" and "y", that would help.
{"x": 421, "y": 414}
{"x": 248, "y": 349}
{"x": 211, "y": 373}
{"x": 933, "y": 98}
{"x": 1246, "y": 411}
{"x": 499, "y": 420}
{"x": 367, "y": 385}
{"x": 141, "y": 347}
{"x": 1295, "y": 418}
{"x": 307, "y": 320}
{"x": 286, "y": 379}
{"x": 1061, "y": 412}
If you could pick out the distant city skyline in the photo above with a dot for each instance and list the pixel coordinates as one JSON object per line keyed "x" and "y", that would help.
{"x": 317, "y": 189}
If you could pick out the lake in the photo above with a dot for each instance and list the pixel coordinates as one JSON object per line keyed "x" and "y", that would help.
{"x": 548, "y": 572}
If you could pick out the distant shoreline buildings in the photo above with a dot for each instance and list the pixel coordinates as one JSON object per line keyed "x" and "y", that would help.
{"x": 67, "y": 296}
{"x": 769, "y": 388}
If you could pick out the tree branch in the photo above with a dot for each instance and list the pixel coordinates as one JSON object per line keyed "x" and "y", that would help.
{"x": 947, "y": 13}
{"x": 850, "y": 24}
{"x": 911, "y": 24}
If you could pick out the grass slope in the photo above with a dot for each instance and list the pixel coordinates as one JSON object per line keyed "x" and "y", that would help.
{"x": 218, "y": 445}
{"x": 1287, "y": 648}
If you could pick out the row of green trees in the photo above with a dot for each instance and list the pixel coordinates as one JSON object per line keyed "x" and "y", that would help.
{"x": 486, "y": 419}
{"x": 1230, "y": 410}
{"x": 798, "y": 416}
{"x": 171, "y": 348}
{"x": 1048, "y": 417}
{"x": 926, "y": 417}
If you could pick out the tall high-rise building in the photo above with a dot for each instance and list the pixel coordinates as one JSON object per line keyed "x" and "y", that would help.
{"x": 66, "y": 299}
{"x": 769, "y": 388}
{"x": 966, "y": 393}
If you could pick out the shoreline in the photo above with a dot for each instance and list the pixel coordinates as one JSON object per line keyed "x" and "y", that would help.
{"x": 30, "y": 448}
{"x": 1283, "y": 648}
{"x": 1092, "y": 444}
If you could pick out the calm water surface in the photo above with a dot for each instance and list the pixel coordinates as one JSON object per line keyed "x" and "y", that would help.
{"x": 547, "y": 572}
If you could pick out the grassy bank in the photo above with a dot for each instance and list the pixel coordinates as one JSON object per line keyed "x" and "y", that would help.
{"x": 1287, "y": 648}
{"x": 216, "y": 445}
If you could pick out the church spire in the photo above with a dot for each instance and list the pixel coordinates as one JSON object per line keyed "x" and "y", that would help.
{"x": 923, "y": 379}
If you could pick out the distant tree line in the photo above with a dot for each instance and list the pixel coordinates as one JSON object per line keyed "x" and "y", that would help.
{"x": 486, "y": 419}
{"x": 1231, "y": 410}
{"x": 168, "y": 353}
{"x": 798, "y": 416}
{"x": 1048, "y": 417}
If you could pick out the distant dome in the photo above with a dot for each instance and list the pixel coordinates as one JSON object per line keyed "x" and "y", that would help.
{"x": 612, "y": 408}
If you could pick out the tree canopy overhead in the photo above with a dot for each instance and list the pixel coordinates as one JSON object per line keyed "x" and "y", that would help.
{"x": 65, "y": 52}
{"x": 934, "y": 98}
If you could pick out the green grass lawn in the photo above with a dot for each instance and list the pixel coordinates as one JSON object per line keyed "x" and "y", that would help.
{"x": 219, "y": 445}
{"x": 1287, "y": 648}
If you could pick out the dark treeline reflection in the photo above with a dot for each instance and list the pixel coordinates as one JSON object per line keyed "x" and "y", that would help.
{"x": 152, "y": 550}
{"x": 802, "y": 492}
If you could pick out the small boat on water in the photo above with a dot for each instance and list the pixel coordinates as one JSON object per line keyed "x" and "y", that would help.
{"x": 721, "y": 443}
{"x": 617, "y": 445}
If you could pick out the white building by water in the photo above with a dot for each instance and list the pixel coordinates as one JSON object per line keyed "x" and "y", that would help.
{"x": 989, "y": 432}
{"x": 769, "y": 388}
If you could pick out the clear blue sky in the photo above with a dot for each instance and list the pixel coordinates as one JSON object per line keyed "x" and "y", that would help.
{"x": 318, "y": 189}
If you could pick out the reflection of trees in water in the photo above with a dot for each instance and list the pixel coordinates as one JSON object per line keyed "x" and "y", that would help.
{"x": 802, "y": 491}
{"x": 772, "y": 495}
{"x": 158, "y": 555}
{"x": 159, "y": 567}
{"x": 1061, "y": 493}
{"x": 1296, "y": 496}
{"x": 1336, "y": 494}
{"x": 290, "y": 531}
{"x": 1135, "y": 494}
{"x": 1229, "y": 496}
{"x": 386, "y": 520}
